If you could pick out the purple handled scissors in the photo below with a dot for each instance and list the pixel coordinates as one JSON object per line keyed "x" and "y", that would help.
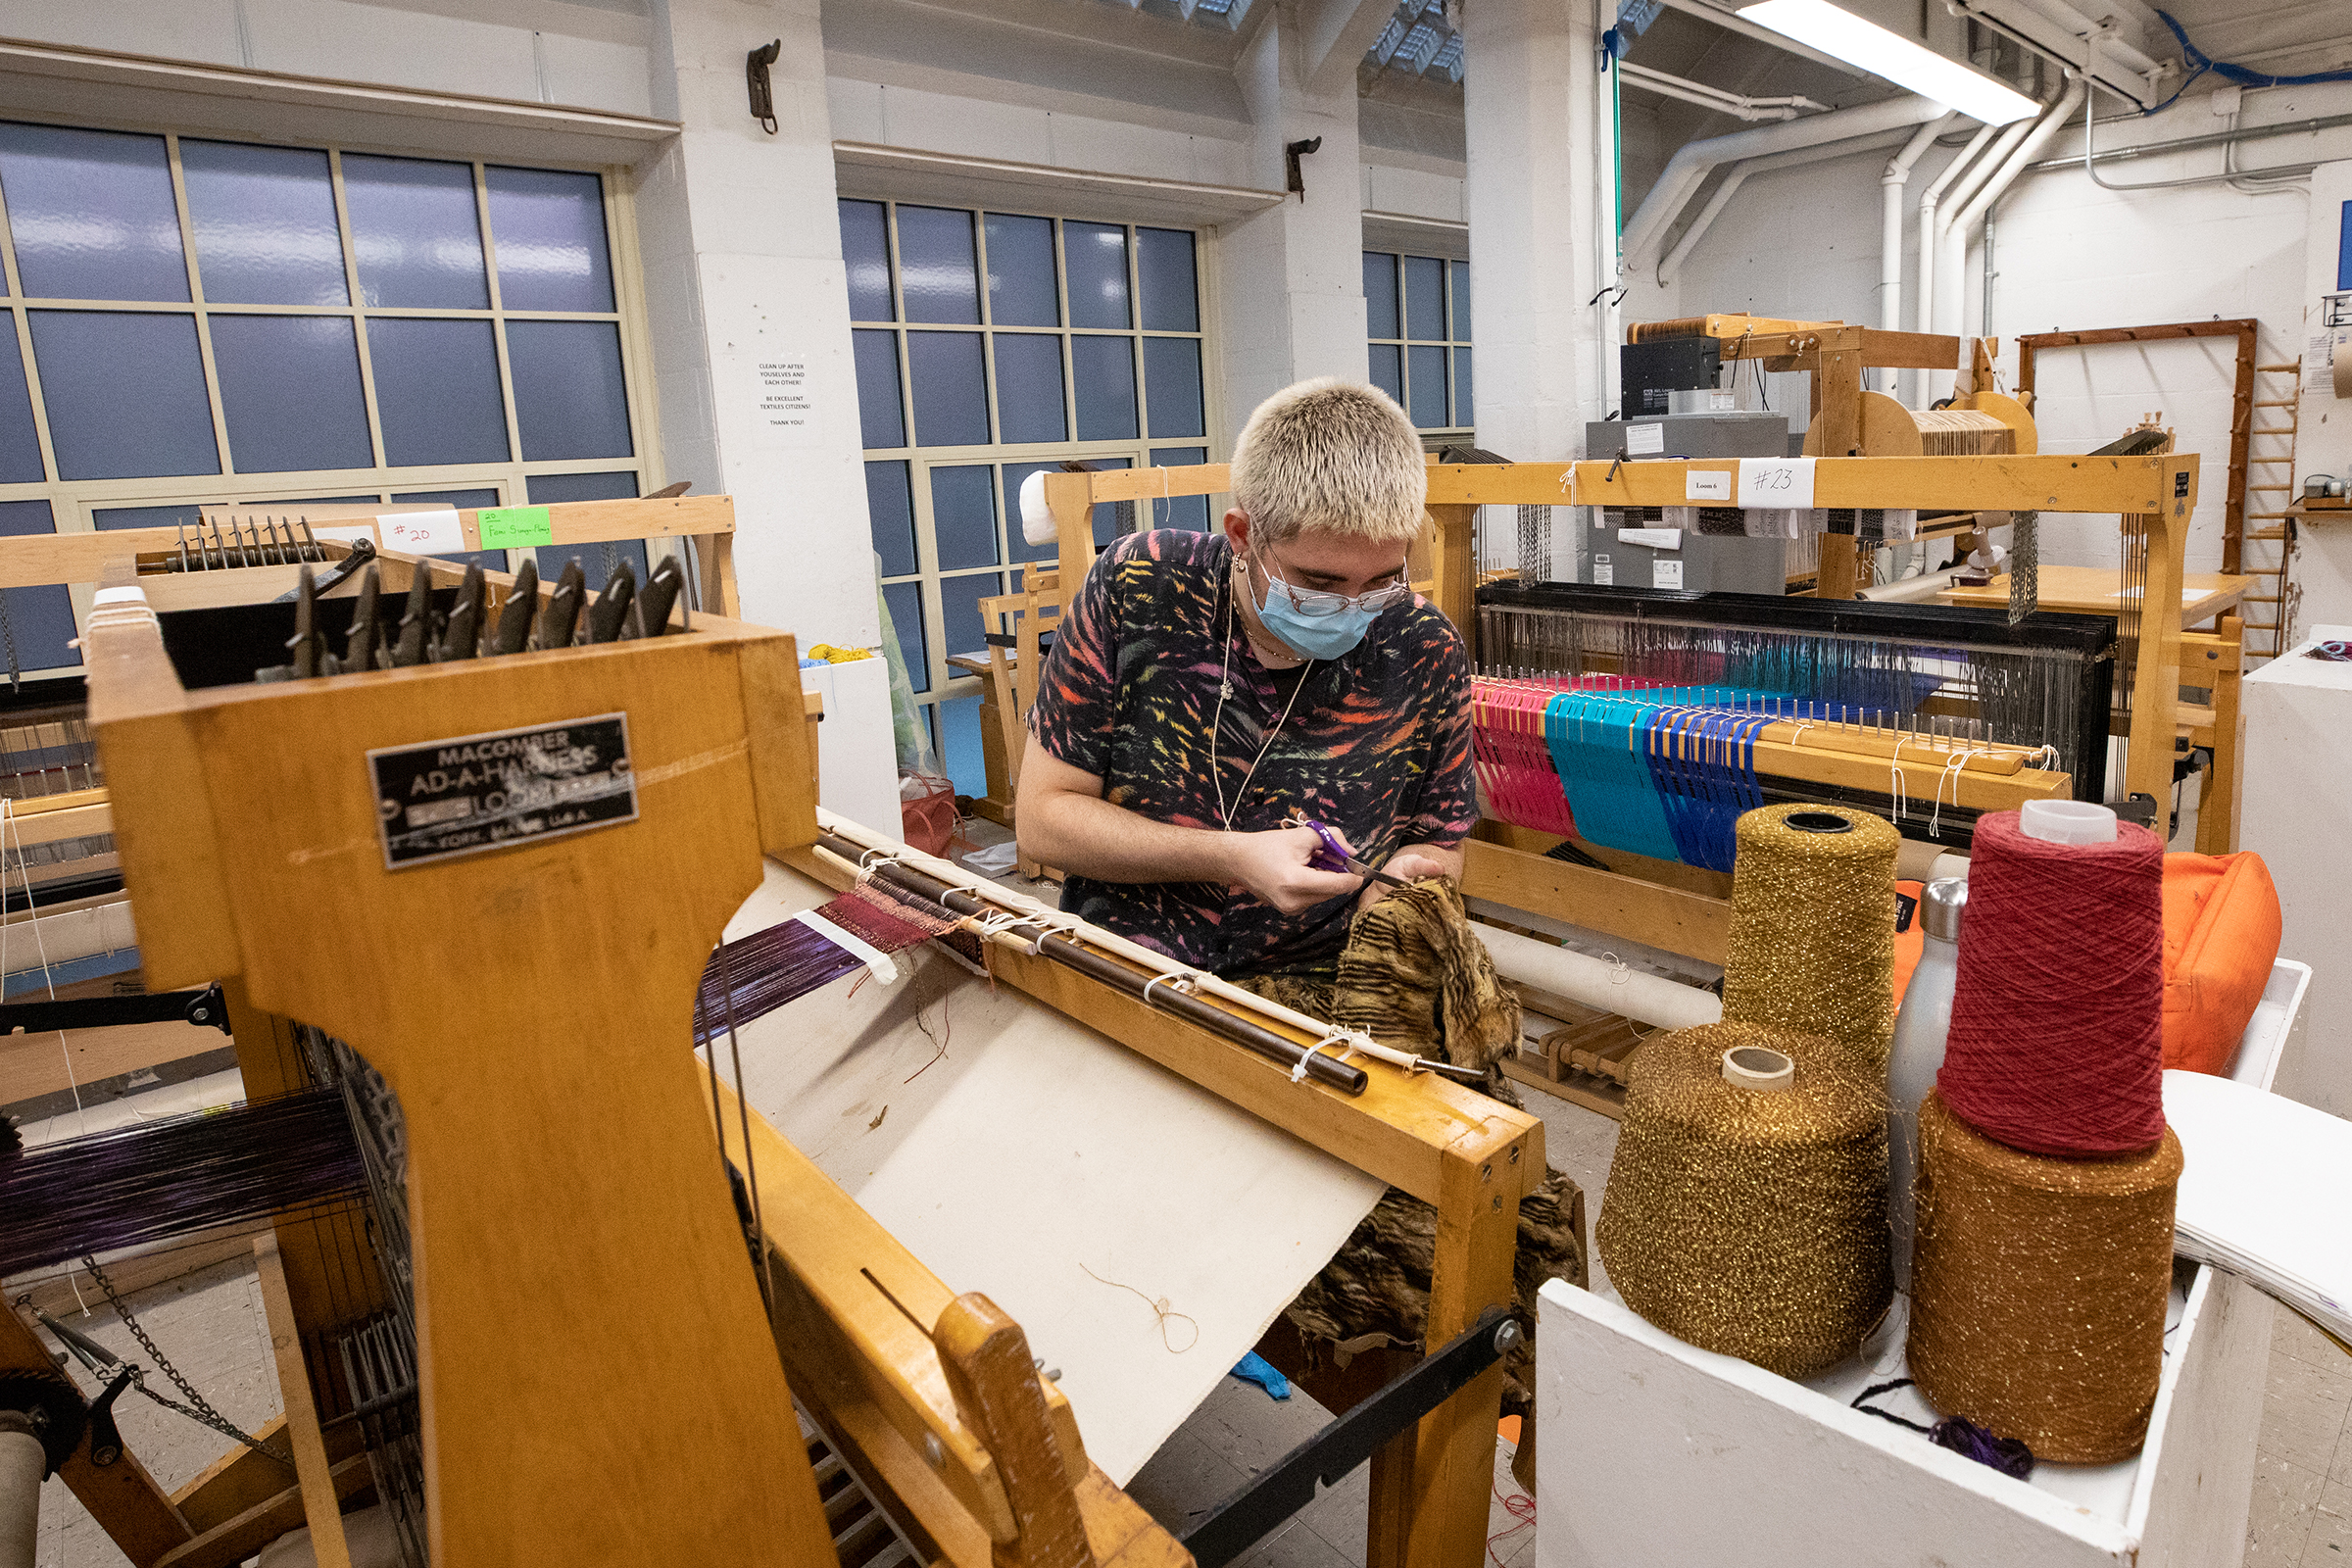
{"x": 1333, "y": 857}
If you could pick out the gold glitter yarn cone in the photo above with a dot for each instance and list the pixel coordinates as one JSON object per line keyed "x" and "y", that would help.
{"x": 1812, "y": 940}
{"x": 1751, "y": 1222}
{"x": 2038, "y": 1288}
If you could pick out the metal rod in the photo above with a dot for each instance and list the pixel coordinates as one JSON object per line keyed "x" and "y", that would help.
{"x": 1062, "y": 950}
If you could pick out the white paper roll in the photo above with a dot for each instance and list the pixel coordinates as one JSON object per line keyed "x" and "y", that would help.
{"x": 1037, "y": 519}
{"x": 1644, "y": 998}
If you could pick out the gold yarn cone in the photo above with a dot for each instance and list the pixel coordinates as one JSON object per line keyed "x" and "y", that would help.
{"x": 1751, "y": 1222}
{"x": 1812, "y": 941}
{"x": 2038, "y": 1289}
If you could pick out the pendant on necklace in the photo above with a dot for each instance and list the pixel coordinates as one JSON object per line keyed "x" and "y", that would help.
{"x": 1225, "y": 690}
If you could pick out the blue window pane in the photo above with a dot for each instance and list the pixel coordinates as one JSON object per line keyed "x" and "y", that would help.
{"x": 1425, "y": 297}
{"x": 290, "y": 393}
{"x": 264, "y": 224}
{"x": 19, "y": 442}
{"x": 959, "y": 744}
{"x": 881, "y": 418}
{"x": 1172, "y": 385}
{"x": 462, "y": 501}
{"x": 964, "y": 518}
{"x": 1459, "y": 273}
{"x": 1105, "y": 370}
{"x": 905, "y": 602}
{"x": 1463, "y": 413}
{"x": 1180, "y": 511}
{"x": 951, "y": 388}
{"x": 569, "y": 400}
{"x": 1380, "y": 295}
{"x": 939, "y": 276}
{"x": 889, "y": 512}
{"x": 1386, "y": 371}
{"x": 1022, "y": 550}
{"x": 1020, "y": 273}
{"x": 124, "y": 394}
{"x": 1029, "y": 401}
{"x": 1096, "y": 254}
{"x": 437, "y": 398}
{"x": 597, "y": 560}
{"x": 91, "y": 214}
{"x": 1428, "y": 405}
{"x": 415, "y": 233}
{"x": 959, "y": 610}
{"x": 40, "y": 620}
{"x": 548, "y": 227}
{"x": 1164, "y": 263}
{"x": 865, "y": 249}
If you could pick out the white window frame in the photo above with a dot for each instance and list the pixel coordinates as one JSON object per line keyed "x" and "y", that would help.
{"x": 73, "y": 503}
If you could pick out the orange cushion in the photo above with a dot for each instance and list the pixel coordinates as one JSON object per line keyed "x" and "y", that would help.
{"x": 2220, "y": 936}
{"x": 1910, "y": 934}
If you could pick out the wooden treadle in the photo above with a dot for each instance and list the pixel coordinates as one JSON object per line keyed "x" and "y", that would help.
{"x": 1578, "y": 1052}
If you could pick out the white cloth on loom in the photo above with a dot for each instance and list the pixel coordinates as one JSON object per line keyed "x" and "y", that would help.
{"x": 2262, "y": 1192}
{"x": 1035, "y": 1149}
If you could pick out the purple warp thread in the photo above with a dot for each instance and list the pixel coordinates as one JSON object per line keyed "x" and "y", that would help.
{"x": 133, "y": 1184}
{"x": 2009, "y": 1455}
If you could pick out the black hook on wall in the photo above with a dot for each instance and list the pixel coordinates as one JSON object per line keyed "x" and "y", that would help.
{"x": 1292, "y": 152}
{"x": 764, "y": 95}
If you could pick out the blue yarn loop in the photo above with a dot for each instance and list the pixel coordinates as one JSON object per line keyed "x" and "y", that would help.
{"x": 2010, "y": 1456}
{"x": 2201, "y": 62}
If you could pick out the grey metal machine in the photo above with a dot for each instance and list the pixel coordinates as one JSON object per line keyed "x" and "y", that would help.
{"x": 1654, "y": 556}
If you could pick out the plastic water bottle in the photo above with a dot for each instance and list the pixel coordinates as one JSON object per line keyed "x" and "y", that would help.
{"x": 1920, "y": 1028}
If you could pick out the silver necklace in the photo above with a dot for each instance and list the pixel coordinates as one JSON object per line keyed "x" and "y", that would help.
{"x": 1216, "y": 727}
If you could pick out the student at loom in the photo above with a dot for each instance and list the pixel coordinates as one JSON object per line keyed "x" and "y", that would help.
{"x": 1206, "y": 687}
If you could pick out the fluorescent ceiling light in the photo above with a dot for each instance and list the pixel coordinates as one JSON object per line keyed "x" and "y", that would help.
{"x": 1823, "y": 26}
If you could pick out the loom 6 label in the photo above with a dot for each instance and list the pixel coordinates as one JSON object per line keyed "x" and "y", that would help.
{"x": 473, "y": 793}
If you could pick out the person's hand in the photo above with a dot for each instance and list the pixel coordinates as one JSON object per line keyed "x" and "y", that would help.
{"x": 1274, "y": 866}
{"x": 1410, "y": 865}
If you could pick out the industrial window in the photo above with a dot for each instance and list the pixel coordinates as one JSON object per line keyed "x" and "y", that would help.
{"x": 193, "y": 322}
{"x": 991, "y": 345}
{"x": 1417, "y": 318}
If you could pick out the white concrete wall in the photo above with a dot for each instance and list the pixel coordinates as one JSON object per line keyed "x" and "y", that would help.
{"x": 2323, "y": 559}
{"x": 1805, "y": 242}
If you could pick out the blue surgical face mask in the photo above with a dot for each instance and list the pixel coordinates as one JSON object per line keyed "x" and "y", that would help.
{"x": 1328, "y": 636}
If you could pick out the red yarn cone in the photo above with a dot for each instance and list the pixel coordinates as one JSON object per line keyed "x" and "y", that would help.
{"x": 2057, "y": 1037}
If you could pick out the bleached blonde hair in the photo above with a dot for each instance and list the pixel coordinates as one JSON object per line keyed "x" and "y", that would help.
{"x": 1330, "y": 457}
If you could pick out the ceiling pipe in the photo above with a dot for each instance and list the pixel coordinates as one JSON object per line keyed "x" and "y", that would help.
{"x": 2026, "y": 150}
{"x": 1737, "y": 174}
{"x": 1687, "y": 168}
{"x": 1928, "y": 200}
{"x": 1715, "y": 98}
{"x": 1890, "y": 233}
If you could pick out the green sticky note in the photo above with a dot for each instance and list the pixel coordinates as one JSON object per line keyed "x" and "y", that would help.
{"x": 515, "y": 528}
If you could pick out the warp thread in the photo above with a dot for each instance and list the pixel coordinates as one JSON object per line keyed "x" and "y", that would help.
{"x": 1751, "y": 1223}
{"x": 2038, "y": 1286}
{"x": 2057, "y": 1037}
{"x": 1812, "y": 940}
{"x": 789, "y": 959}
{"x": 131, "y": 1185}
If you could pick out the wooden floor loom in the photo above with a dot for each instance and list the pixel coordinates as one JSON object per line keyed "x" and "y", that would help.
{"x": 530, "y": 1008}
{"x": 1683, "y": 910}
{"x": 59, "y": 833}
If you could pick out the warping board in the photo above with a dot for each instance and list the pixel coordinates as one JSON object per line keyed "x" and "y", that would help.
{"x": 1035, "y": 1149}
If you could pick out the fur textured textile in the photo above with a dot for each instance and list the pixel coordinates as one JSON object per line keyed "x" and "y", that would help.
{"x": 1415, "y": 976}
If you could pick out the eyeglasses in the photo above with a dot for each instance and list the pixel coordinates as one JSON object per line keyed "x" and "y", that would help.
{"x": 1317, "y": 604}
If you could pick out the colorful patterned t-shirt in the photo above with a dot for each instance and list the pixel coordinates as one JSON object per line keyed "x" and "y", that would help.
{"x": 1377, "y": 743}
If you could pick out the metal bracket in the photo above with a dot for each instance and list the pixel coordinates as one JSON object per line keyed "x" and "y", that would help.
{"x": 763, "y": 93}
{"x": 1288, "y": 1485}
{"x": 1292, "y": 152}
{"x": 205, "y": 1008}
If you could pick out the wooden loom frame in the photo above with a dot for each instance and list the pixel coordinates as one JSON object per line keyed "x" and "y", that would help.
{"x": 997, "y": 1493}
{"x": 1675, "y": 916}
{"x": 28, "y": 1066}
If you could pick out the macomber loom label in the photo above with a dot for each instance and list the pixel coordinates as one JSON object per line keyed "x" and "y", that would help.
{"x": 511, "y": 786}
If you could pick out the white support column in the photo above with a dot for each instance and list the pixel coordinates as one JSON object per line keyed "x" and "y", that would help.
{"x": 741, "y": 246}
{"x": 1536, "y": 223}
{"x": 1292, "y": 278}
